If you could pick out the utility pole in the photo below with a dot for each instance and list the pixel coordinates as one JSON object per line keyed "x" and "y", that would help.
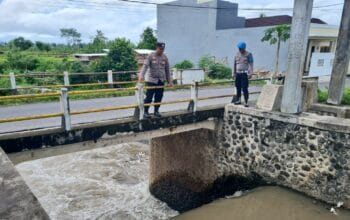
{"x": 341, "y": 59}
{"x": 291, "y": 99}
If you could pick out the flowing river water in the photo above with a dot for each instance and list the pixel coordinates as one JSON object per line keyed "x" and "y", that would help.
{"x": 112, "y": 183}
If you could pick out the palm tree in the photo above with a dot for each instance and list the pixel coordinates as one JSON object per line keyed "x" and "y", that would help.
{"x": 277, "y": 34}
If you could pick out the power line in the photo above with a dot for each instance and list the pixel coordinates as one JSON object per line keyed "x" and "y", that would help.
{"x": 191, "y": 6}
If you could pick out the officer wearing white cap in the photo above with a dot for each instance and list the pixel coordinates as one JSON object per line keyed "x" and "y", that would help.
{"x": 158, "y": 65}
{"x": 242, "y": 71}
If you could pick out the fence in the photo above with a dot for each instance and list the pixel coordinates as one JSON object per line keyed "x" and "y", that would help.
{"x": 66, "y": 79}
{"x": 66, "y": 113}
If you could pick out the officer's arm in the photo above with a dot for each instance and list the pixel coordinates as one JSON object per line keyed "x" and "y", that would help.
{"x": 167, "y": 72}
{"x": 234, "y": 68}
{"x": 250, "y": 64}
{"x": 144, "y": 69}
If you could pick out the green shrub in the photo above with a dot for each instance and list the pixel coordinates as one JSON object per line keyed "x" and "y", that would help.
{"x": 346, "y": 97}
{"x": 219, "y": 71}
{"x": 322, "y": 95}
{"x": 185, "y": 64}
{"x": 205, "y": 62}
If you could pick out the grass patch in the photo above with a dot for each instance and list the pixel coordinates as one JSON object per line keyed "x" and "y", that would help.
{"x": 322, "y": 96}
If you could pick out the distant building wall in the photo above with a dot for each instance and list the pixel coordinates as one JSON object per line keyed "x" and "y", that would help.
{"x": 321, "y": 64}
{"x": 188, "y": 76}
{"x": 191, "y": 33}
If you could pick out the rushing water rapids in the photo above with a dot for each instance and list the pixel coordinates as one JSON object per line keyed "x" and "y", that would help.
{"x": 112, "y": 183}
{"x": 106, "y": 183}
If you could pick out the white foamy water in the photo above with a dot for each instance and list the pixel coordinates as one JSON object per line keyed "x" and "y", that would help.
{"x": 106, "y": 183}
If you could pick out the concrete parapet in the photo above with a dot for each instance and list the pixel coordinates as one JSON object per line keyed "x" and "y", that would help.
{"x": 331, "y": 110}
{"x": 17, "y": 200}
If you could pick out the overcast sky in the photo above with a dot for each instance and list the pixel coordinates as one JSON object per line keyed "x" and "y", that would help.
{"x": 42, "y": 19}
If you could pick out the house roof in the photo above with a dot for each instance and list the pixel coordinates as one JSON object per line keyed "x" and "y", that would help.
{"x": 90, "y": 54}
{"x": 143, "y": 51}
{"x": 275, "y": 20}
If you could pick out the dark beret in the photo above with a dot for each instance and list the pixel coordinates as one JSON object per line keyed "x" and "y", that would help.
{"x": 160, "y": 45}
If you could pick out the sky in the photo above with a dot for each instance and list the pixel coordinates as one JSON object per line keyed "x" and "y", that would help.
{"x": 42, "y": 19}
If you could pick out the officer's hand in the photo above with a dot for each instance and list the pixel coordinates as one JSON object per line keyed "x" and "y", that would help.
{"x": 141, "y": 78}
{"x": 250, "y": 76}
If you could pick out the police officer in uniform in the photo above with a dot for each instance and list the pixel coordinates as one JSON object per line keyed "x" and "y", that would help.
{"x": 155, "y": 72}
{"x": 242, "y": 72}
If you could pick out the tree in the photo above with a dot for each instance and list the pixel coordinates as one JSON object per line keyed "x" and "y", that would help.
{"x": 99, "y": 42}
{"x": 277, "y": 34}
{"x": 17, "y": 61}
{"x": 72, "y": 35}
{"x": 185, "y": 64}
{"x": 205, "y": 62}
{"x": 42, "y": 46}
{"x": 121, "y": 57}
{"x": 148, "y": 40}
{"x": 22, "y": 43}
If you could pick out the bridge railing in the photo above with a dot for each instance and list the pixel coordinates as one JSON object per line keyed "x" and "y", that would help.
{"x": 67, "y": 80}
{"x": 66, "y": 112}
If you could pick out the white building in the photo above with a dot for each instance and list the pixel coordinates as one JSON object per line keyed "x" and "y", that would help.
{"x": 214, "y": 28}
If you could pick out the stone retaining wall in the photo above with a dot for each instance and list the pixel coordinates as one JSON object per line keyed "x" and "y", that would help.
{"x": 307, "y": 153}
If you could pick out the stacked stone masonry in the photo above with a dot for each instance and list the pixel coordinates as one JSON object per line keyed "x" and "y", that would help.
{"x": 291, "y": 152}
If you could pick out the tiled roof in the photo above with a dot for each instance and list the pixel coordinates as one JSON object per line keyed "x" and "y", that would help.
{"x": 275, "y": 20}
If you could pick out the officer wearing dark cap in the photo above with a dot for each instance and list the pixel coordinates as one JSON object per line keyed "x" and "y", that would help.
{"x": 155, "y": 72}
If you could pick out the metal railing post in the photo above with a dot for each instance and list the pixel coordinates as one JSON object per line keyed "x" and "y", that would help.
{"x": 139, "y": 93}
{"x": 110, "y": 78}
{"x": 66, "y": 78}
{"x": 13, "y": 83}
{"x": 66, "y": 118}
{"x": 194, "y": 97}
{"x": 269, "y": 81}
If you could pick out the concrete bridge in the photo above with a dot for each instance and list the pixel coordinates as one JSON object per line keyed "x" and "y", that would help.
{"x": 197, "y": 157}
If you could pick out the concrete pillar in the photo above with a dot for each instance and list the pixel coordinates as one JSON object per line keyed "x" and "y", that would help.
{"x": 291, "y": 99}
{"x": 139, "y": 94}
{"x": 13, "y": 83}
{"x": 66, "y": 78}
{"x": 66, "y": 118}
{"x": 341, "y": 59}
{"x": 110, "y": 78}
{"x": 183, "y": 168}
{"x": 194, "y": 97}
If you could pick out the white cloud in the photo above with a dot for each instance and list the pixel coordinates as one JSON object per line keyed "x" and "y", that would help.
{"x": 42, "y": 19}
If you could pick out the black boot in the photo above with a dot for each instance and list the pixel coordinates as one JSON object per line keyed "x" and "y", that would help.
{"x": 146, "y": 115}
{"x": 157, "y": 114}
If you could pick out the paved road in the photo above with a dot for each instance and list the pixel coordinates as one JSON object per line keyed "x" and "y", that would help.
{"x": 45, "y": 108}
{"x": 53, "y": 107}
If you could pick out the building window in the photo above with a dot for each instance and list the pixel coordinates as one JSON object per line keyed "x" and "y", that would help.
{"x": 320, "y": 62}
{"x": 325, "y": 49}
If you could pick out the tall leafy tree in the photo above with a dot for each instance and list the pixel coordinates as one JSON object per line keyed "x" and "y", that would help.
{"x": 21, "y": 43}
{"x": 42, "y": 46}
{"x": 98, "y": 42}
{"x": 148, "y": 39}
{"x": 277, "y": 34}
{"x": 72, "y": 36}
{"x": 121, "y": 57}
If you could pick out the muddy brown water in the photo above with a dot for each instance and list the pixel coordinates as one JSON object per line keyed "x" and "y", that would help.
{"x": 266, "y": 203}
